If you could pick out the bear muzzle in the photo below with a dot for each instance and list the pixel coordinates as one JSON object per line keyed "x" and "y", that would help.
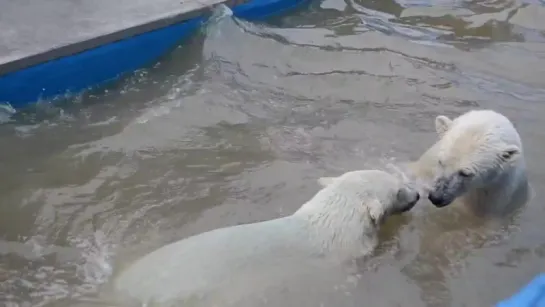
{"x": 439, "y": 200}
{"x": 411, "y": 204}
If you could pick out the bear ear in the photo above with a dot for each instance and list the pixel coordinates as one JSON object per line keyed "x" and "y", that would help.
{"x": 510, "y": 153}
{"x": 442, "y": 124}
{"x": 325, "y": 181}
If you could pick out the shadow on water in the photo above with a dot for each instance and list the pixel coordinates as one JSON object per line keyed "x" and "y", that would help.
{"x": 236, "y": 127}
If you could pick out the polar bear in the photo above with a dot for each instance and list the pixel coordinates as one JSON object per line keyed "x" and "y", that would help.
{"x": 338, "y": 224}
{"x": 478, "y": 160}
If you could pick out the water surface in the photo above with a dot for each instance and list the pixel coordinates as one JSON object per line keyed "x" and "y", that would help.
{"x": 237, "y": 126}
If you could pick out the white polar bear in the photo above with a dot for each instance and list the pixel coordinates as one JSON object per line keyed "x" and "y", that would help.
{"x": 339, "y": 223}
{"x": 478, "y": 160}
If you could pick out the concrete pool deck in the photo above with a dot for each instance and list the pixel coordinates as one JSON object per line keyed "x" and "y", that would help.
{"x": 35, "y": 33}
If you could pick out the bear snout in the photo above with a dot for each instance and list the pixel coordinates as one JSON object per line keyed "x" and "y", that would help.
{"x": 411, "y": 204}
{"x": 438, "y": 199}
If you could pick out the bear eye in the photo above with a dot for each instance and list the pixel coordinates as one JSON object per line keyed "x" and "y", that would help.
{"x": 506, "y": 155}
{"x": 465, "y": 173}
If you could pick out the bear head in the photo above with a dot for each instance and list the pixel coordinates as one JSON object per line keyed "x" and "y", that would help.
{"x": 382, "y": 193}
{"x": 474, "y": 151}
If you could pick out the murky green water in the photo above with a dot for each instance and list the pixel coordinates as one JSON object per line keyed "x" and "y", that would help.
{"x": 237, "y": 126}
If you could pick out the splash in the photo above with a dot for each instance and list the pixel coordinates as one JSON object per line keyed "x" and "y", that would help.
{"x": 222, "y": 27}
{"x": 6, "y": 112}
{"x": 221, "y": 14}
{"x": 97, "y": 254}
{"x": 223, "y": 33}
{"x": 404, "y": 172}
{"x": 219, "y": 23}
{"x": 52, "y": 274}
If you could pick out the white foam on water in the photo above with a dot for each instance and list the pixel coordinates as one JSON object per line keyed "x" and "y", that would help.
{"x": 6, "y": 112}
{"x": 55, "y": 273}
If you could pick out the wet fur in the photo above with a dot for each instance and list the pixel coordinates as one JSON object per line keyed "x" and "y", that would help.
{"x": 339, "y": 223}
{"x": 485, "y": 144}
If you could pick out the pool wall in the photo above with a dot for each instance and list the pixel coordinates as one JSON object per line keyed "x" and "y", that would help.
{"x": 80, "y": 70}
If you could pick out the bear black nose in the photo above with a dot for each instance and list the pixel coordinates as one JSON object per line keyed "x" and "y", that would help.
{"x": 437, "y": 199}
{"x": 434, "y": 198}
{"x": 417, "y": 197}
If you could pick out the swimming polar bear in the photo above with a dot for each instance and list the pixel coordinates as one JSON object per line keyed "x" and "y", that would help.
{"x": 338, "y": 224}
{"x": 478, "y": 159}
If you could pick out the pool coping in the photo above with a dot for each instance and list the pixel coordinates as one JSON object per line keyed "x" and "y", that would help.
{"x": 191, "y": 10}
{"x": 58, "y": 67}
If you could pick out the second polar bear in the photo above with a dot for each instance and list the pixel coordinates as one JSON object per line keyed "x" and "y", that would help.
{"x": 478, "y": 159}
{"x": 339, "y": 223}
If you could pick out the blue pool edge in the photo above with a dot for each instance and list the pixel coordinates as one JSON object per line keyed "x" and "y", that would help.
{"x": 103, "y": 64}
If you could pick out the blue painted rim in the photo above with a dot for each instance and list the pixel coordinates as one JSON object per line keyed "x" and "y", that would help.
{"x": 94, "y": 67}
{"x": 531, "y": 295}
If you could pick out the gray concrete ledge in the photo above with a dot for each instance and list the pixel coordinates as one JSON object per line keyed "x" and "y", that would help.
{"x": 34, "y": 31}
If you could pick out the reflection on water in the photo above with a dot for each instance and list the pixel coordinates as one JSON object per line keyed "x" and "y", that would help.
{"x": 236, "y": 127}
